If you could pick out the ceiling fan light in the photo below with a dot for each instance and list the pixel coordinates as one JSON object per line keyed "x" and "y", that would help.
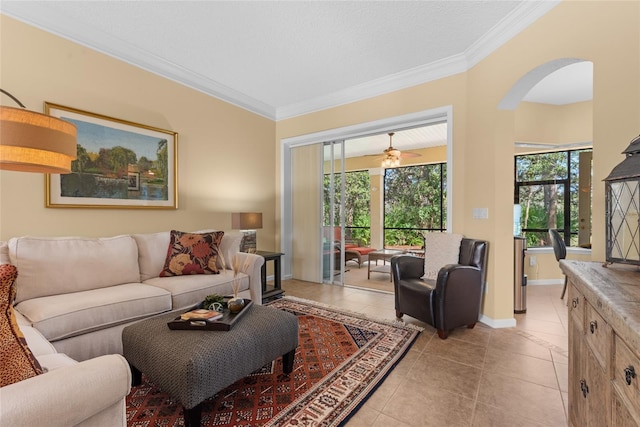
{"x": 391, "y": 161}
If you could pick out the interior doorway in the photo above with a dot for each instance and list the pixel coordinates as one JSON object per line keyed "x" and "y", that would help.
{"x": 302, "y": 204}
{"x": 381, "y": 195}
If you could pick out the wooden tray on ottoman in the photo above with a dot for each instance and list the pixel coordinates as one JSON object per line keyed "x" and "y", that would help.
{"x": 225, "y": 323}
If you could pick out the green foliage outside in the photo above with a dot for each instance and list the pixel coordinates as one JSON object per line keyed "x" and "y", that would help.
{"x": 357, "y": 205}
{"x": 414, "y": 203}
{"x": 548, "y": 177}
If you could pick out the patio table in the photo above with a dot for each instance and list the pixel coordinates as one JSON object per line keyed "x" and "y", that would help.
{"x": 384, "y": 255}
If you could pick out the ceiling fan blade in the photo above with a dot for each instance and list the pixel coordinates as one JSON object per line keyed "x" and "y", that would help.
{"x": 403, "y": 154}
{"x": 393, "y": 151}
{"x": 409, "y": 154}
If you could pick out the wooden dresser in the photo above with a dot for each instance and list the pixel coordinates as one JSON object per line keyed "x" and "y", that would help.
{"x": 604, "y": 344}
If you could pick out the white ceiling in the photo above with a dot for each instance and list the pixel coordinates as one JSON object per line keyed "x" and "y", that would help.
{"x": 281, "y": 59}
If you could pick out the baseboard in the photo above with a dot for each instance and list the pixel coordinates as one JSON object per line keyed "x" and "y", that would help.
{"x": 497, "y": 323}
{"x": 545, "y": 282}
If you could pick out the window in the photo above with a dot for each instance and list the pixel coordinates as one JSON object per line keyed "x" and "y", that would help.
{"x": 550, "y": 191}
{"x": 415, "y": 201}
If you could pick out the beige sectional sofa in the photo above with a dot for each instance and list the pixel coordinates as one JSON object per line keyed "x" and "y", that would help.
{"x": 81, "y": 292}
{"x": 74, "y": 297}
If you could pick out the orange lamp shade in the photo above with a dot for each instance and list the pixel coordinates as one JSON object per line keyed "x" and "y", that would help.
{"x": 34, "y": 142}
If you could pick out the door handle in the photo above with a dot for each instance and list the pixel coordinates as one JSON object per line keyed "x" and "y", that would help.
{"x": 629, "y": 374}
{"x": 584, "y": 388}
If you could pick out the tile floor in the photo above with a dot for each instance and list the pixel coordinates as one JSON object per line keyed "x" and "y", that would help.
{"x": 477, "y": 377}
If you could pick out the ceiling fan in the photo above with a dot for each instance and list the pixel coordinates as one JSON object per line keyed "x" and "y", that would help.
{"x": 391, "y": 156}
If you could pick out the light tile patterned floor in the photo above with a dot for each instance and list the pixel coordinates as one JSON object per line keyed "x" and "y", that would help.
{"x": 477, "y": 377}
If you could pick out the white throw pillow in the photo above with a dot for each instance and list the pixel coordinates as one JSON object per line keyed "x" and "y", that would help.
{"x": 440, "y": 249}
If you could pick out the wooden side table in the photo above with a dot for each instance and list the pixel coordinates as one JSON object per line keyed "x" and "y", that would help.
{"x": 277, "y": 285}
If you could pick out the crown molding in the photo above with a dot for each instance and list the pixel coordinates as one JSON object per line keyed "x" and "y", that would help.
{"x": 505, "y": 30}
{"x": 49, "y": 20}
{"x": 514, "y": 23}
{"x": 402, "y": 80}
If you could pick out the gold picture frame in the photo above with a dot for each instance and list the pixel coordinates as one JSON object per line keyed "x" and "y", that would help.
{"x": 120, "y": 165}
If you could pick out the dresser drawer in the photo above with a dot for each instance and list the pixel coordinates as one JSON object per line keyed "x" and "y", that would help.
{"x": 626, "y": 373}
{"x": 576, "y": 303}
{"x": 598, "y": 335}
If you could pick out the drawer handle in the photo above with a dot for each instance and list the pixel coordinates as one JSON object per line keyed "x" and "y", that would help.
{"x": 584, "y": 388}
{"x": 629, "y": 374}
{"x": 574, "y": 302}
{"x": 593, "y": 325}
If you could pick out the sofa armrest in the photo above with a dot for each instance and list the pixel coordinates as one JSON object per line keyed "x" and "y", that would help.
{"x": 252, "y": 266}
{"x": 69, "y": 395}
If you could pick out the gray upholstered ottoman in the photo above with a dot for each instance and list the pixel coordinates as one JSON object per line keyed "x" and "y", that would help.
{"x": 192, "y": 366}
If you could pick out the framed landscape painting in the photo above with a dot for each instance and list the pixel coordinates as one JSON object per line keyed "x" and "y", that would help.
{"x": 120, "y": 164}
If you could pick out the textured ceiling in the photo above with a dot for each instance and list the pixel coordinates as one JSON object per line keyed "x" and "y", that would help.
{"x": 285, "y": 58}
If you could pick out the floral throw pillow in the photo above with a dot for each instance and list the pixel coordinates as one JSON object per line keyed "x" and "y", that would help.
{"x": 192, "y": 253}
{"x": 17, "y": 363}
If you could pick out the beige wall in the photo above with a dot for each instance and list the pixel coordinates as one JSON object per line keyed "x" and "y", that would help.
{"x": 37, "y": 66}
{"x": 225, "y": 154}
{"x": 554, "y": 124}
{"x": 546, "y": 269}
{"x": 483, "y": 136}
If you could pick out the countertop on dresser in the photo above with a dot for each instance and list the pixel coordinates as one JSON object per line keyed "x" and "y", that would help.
{"x": 614, "y": 291}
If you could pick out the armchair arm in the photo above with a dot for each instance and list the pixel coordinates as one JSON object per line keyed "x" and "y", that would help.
{"x": 69, "y": 395}
{"x": 459, "y": 295}
{"x": 253, "y": 269}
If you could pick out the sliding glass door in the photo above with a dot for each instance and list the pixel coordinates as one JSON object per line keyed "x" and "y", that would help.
{"x": 333, "y": 212}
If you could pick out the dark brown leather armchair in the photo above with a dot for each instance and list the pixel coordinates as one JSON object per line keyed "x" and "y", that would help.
{"x": 450, "y": 301}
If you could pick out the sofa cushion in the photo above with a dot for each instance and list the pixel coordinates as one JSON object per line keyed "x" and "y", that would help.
{"x": 229, "y": 247}
{"x": 363, "y": 250}
{"x": 46, "y": 269}
{"x": 61, "y": 316}
{"x": 4, "y": 253}
{"x": 192, "y": 253}
{"x": 440, "y": 249}
{"x": 152, "y": 251}
{"x": 37, "y": 343}
{"x": 17, "y": 363}
{"x": 187, "y": 291}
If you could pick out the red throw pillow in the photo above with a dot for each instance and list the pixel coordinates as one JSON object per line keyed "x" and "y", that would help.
{"x": 192, "y": 253}
{"x": 17, "y": 363}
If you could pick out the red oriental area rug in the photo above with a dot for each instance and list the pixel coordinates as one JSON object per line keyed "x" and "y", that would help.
{"x": 341, "y": 358}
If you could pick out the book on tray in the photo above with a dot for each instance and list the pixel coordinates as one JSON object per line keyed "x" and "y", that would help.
{"x": 201, "y": 314}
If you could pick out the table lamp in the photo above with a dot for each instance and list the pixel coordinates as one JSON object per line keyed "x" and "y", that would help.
{"x": 247, "y": 223}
